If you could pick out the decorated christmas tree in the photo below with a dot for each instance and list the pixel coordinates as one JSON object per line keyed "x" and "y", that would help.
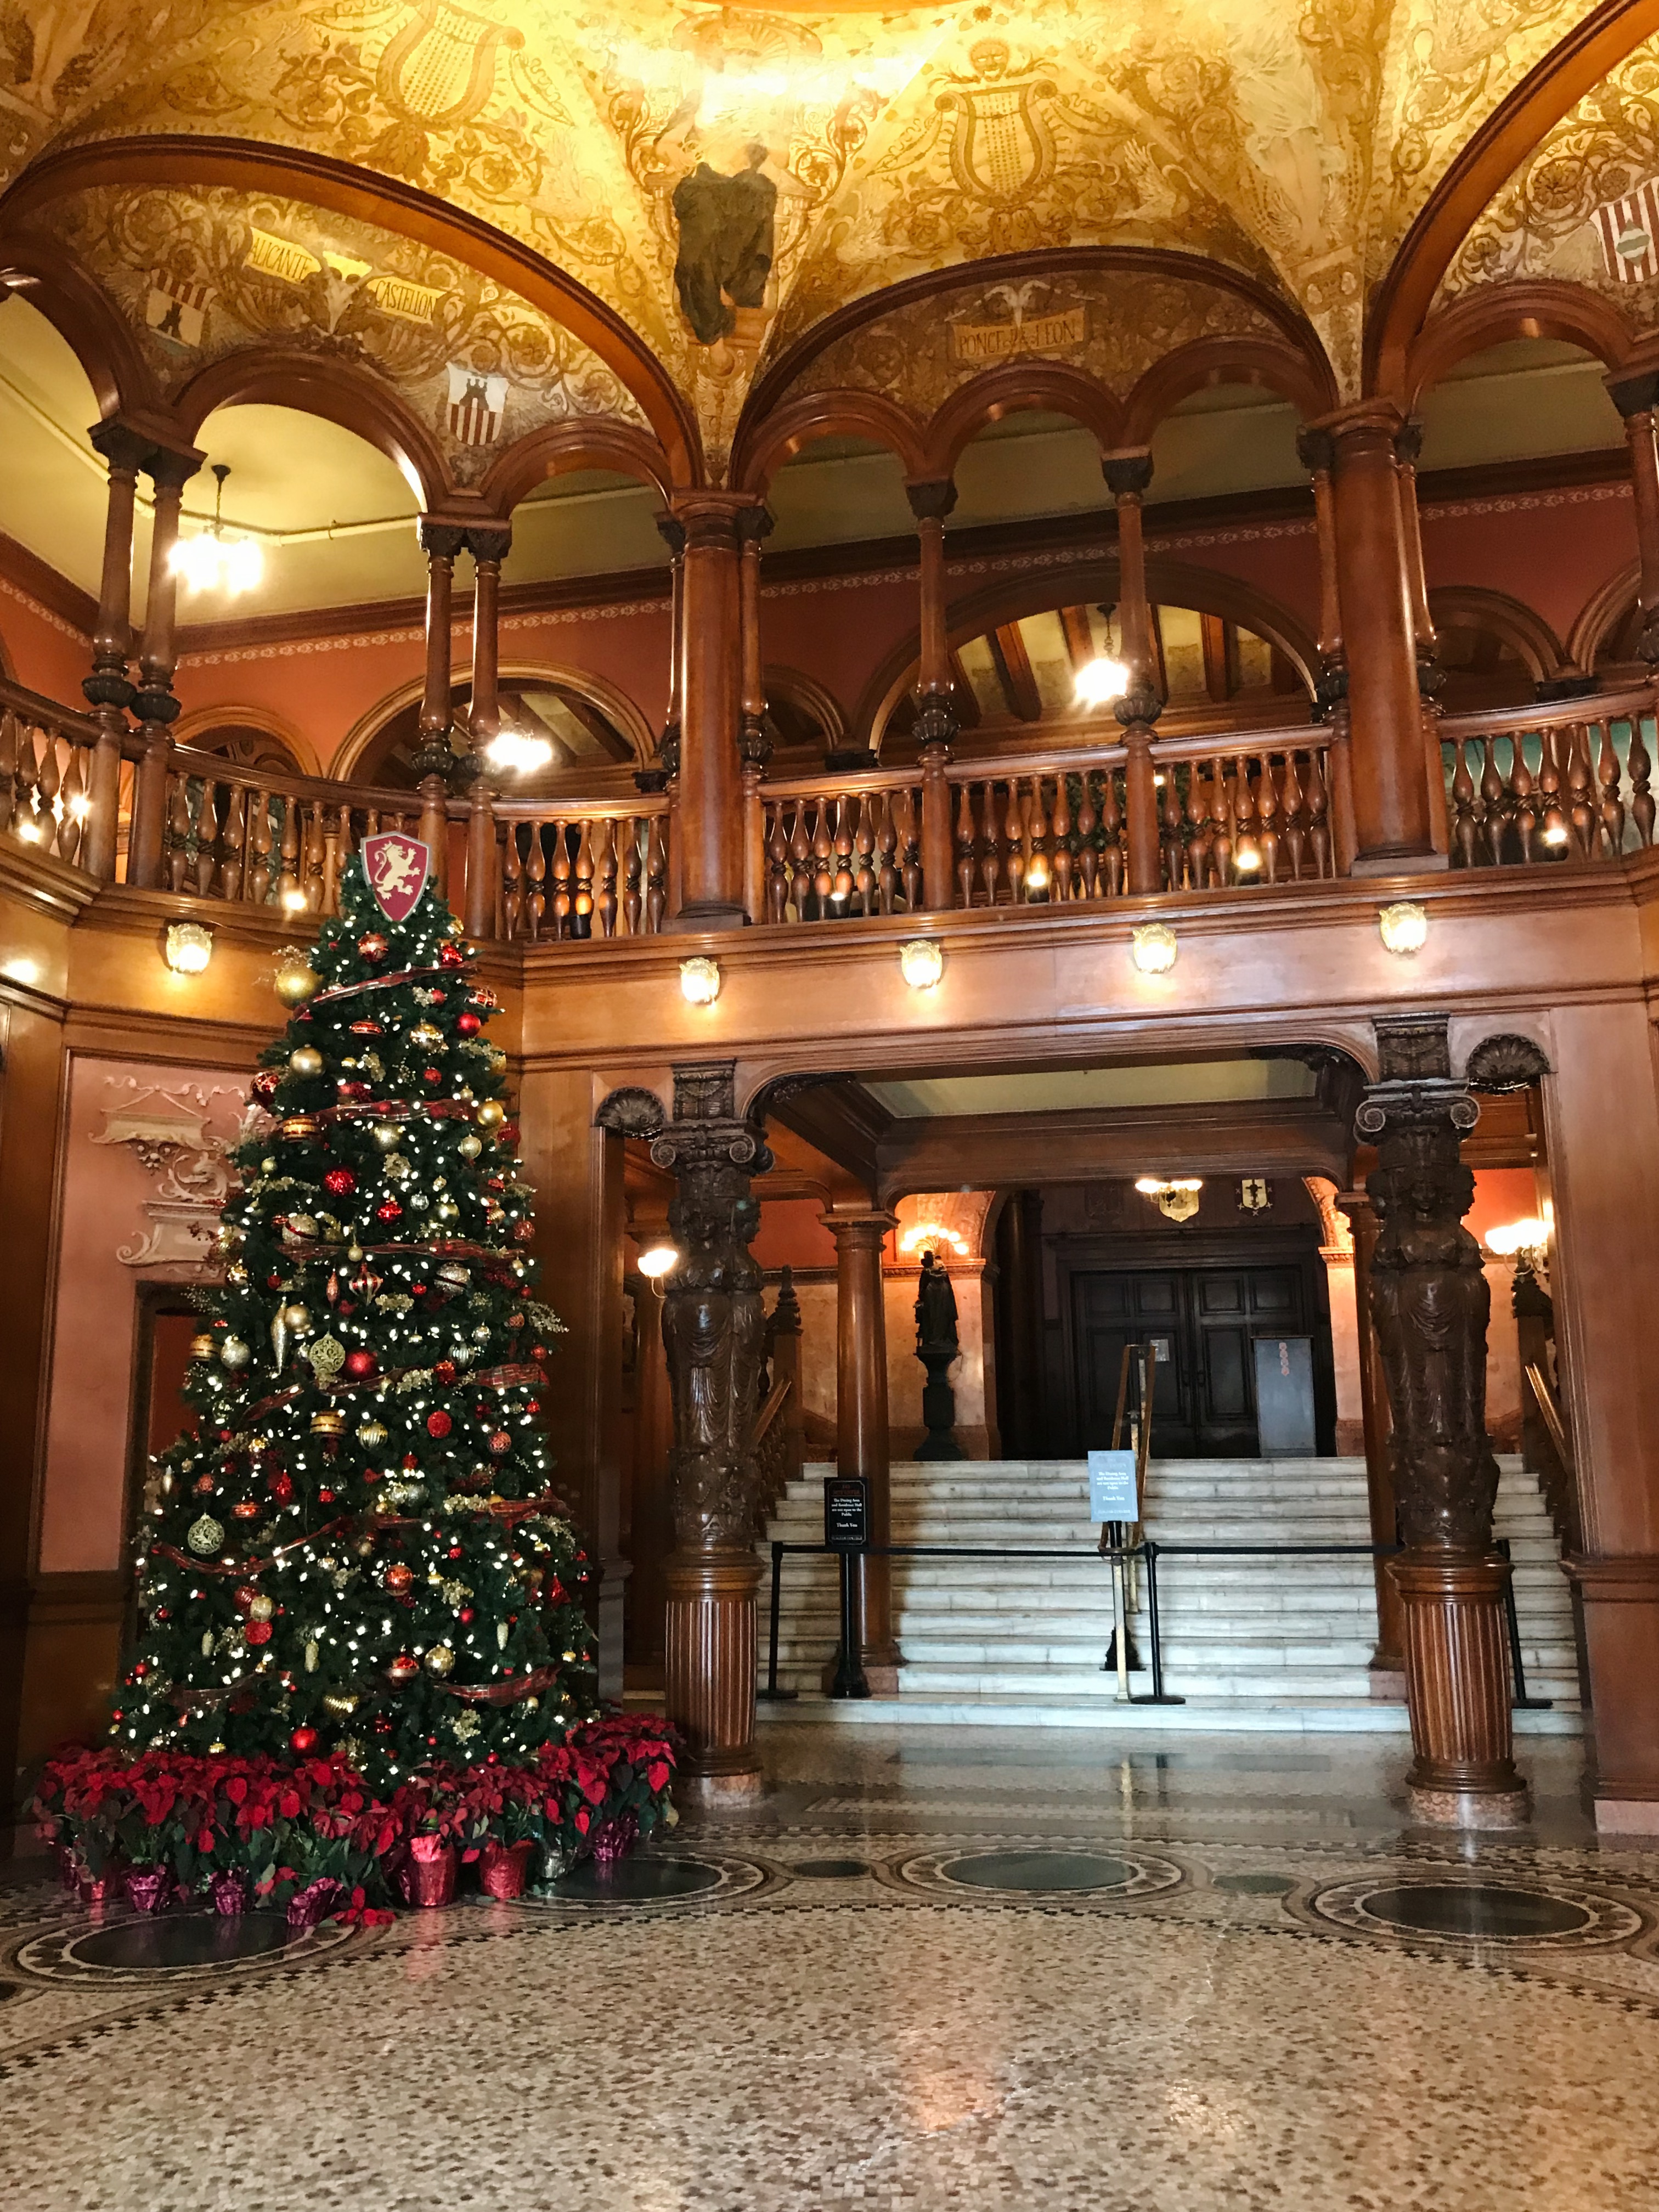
{"x": 356, "y": 1550}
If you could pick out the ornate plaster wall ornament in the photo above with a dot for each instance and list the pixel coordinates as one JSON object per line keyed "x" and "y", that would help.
{"x": 168, "y": 1133}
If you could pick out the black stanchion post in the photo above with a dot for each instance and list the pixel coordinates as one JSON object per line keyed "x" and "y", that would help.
{"x": 771, "y": 1693}
{"x": 1159, "y": 1697}
{"x": 1519, "y": 1698}
{"x": 849, "y": 1680}
{"x": 847, "y": 1532}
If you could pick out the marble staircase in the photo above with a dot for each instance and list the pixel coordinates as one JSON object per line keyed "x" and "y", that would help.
{"x": 1249, "y": 1644}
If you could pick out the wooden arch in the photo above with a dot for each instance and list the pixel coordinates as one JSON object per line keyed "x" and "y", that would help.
{"x": 1605, "y": 36}
{"x": 245, "y": 165}
{"x": 85, "y": 317}
{"x": 1599, "y": 622}
{"x": 1499, "y": 312}
{"x": 1052, "y": 386}
{"x": 1308, "y": 385}
{"x": 559, "y": 449}
{"x": 200, "y": 727}
{"x": 606, "y": 698}
{"x": 342, "y": 391}
{"x": 1473, "y": 606}
{"x": 765, "y": 445}
{"x": 1168, "y": 583}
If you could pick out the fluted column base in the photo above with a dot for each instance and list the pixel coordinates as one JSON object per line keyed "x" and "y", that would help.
{"x": 709, "y": 1670}
{"x": 1457, "y": 1690}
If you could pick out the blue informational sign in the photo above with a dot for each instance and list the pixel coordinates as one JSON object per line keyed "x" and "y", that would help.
{"x": 1112, "y": 1487}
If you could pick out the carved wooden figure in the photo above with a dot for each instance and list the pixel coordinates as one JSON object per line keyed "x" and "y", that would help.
{"x": 1430, "y": 1306}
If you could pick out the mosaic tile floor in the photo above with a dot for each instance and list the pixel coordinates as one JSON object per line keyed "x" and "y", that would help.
{"x": 951, "y": 1971}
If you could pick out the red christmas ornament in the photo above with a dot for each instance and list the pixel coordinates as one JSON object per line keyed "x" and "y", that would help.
{"x": 258, "y": 1631}
{"x": 534, "y": 1405}
{"x": 399, "y": 1577}
{"x": 500, "y": 1442}
{"x": 388, "y": 1210}
{"x": 367, "y": 1028}
{"x": 325, "y": 1497}
{"x": 205, "y": 1485}
{"x": 454, "y": 1551}
{"x": 445, "y": 1370}
{"x": 409, "y": 1462}
{"x": 273, "y": 1282}
{"x": 468, "y": 1024}
{"x": 265, "y": 1084}
{"x": 303, "y": 1741}
{"x": 246, "y": 1508}
{"x": 281, "y": 1488}
{"x": 374, "y": 947}
{"x": 432, "y": 1075}
{"x": 360, "y": 1365}
{"x": 524, "y": 1232}
{"x": 352, "y": 1090}
{"x": 438, "y": 1422}
{"x": 243, "y": 1596}
{"x": 340, "y": 1182}
{"x": 508, "y": 1134}
{"x": 451, "y": 956}
{"x": 403, "y": 1668}
{"x": 465, "y": 1614}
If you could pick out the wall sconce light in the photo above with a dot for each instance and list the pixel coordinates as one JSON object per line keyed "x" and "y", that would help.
{"x": 1175, "y": 1196}
{"x": 921, "y": 963}
{"x": 189, "y": 947}
{"x": 1404, "y": 926}
{"x": 700, "y": 979}
{"x": 661, "y": 1260}
{"x": 1154, "y": 948}
{"x": 1527, "y": 1242}
{"x": 932, "y": 1236}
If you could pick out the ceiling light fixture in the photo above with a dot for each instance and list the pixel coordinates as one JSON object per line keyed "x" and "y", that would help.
{"x": 1153, "y": 947}
{"x": 921, "y": 963}
{"x": 700, "y": 979}
{"x": 1100, "y": 681}
{"x": 519, "y": 751}
{"x": 188, "y": 947}
{"x": 212, "y": 561}
{"x": 1403, "y": 927}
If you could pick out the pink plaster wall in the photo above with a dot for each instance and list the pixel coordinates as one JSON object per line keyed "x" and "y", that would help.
{"x": 44, "y": 653}
{"x": 1551, "y": 555}
{"x": 95, "y": 1321}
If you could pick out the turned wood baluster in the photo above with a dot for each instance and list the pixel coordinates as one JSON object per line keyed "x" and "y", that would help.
{"x": 656, "y": 874}
{"x": 990, "y": 848}
{"x": 288, "y": 852}
{"x": 1525, "y": 812}
{"x": 233, "y": 843}
{"x": 1088, "y": 821}
{"x": 73, "y": 810}
{"x": 845, "y": 806}
{"x": 1167, "y": 783}
{"x": 864, "y": 847}
{"x": 1464, "y": 824}
{"x": 512, "y": 880}
{"x": 1494, "y": 802}
{"x": 178, "y": 831}
{"x": 337, "y": 847}
{"x": 1266, "y": 787}
{"x": 258, "y": 847}
{"x": 1580, "y": 783}
{"x": 1612, "y": 805}
{"x": 1319, "y": 811}
{"x": 1196, "y": 814}
{"x": 535, "y": 878}
{"x": 823, "y": 853}
{"x": 633, "y": 875}
{"x": 10, "y": 754}
{"x": 604, "y": 876}
{"x": 907, "y": 845}
{"x": 886, "y": 848}
{"x": 556, "y": 869}
{"x": 1641, "y": 798}
{"x": 1013, "y": 831}
{"x": 1039, "y": 845}
{"x": 207, "y": 838}
{"x": 1226, "y": 819}
{"x": 22, "y": 773}
{"x": 777, "y": 862}
{"x": 1111, "y": 823}
{"x": 1549, "y": 791}
{"x": 967, "y": 857}
{"x": 1063, "y": 859}
{"x": 1295, "y": 830}
{"x": 582, "y": 873}
{"x": 316, "y": 857}
{"x": 800, "y": 855}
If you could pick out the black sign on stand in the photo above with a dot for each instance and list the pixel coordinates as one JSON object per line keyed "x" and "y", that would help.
{"x": 846, "y": 1531}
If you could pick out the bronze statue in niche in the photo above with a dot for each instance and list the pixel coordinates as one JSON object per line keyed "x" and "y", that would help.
{"x": 1430, "y": 1302}
{"x": 713, "y": 1319}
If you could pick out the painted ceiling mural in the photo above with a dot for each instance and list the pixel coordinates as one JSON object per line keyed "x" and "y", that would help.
{"x": 1585, "y": 207}
{"x": 723, "y": 177}
{"x": 201, "y": 276}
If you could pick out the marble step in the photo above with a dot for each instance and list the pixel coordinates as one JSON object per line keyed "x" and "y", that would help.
{"x": 1196, "y": 1716}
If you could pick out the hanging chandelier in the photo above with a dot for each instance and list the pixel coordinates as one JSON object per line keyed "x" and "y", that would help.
{"x": 211, "y": 561}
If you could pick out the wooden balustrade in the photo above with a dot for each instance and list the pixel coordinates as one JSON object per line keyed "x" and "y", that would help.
{"x": 45, "y": 773}
{"x": 848, "y": 847}
{"x": 579, "y": 869}
{"x": 1570, "y": 781}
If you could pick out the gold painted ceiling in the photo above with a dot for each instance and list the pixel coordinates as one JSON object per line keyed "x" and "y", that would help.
{"x": 724, "y": 178}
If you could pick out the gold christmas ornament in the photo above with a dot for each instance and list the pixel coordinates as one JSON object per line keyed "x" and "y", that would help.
{"x": 491, "y": 1114}
{"x": 372, "y": 1434}
{"x": 327, "y": 1423}
{"x": 327, "y": 1358}
{"x": 234, "y": 1353}
{"x": 341, "y": 1703}
{"x": 387, "y": 1134}
{"x": 205, "y": 1536}
{"x": 305, "y": 1059}
{"x": 440, "y": 1661}
{"x": 296, "y": 979}
{"x": 299, "y": 1320}
{"x": 469, "y": 1148}
{"x": 311, "y": 1657}
{"x": 261, "y": 1607}
{"x": 427, "y": 1038}
{"x": 452, "y": 1272}
{"x": 201, "y": 1347}
{"x": 299, "y": 1225}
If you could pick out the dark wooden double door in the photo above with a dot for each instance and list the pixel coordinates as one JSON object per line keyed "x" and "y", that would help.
{"x": 1204, "y": 1321}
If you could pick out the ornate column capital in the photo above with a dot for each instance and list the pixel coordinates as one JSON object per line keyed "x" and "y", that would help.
{"x": 931, "y": 498}
{"x": 1634, "y": 395}
{"x": 755, "y": 524}
{"x": 1127, "y": 474}
{"x": 442, "y": 541}
{"x": 489, "y": 541}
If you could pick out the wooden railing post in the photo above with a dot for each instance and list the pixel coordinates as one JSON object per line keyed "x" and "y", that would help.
{"x": 108, "y": 689}
{"x": 488, "y": 546}
{"x": 1431, "y": 677}
{"x": 754, "y": 743}
{"x": 1636, "y": 399}
{"x": 434, "y": 762}
{"x": 1317, "y": 453}
{"x": 1128, "y": 475}
{"x": 936, "y": 721}
{"x": 709, "y": 819}
{"x": 154, "y": 702}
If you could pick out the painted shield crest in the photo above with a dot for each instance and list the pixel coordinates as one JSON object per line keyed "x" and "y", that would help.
{"x": 396, "y": 867}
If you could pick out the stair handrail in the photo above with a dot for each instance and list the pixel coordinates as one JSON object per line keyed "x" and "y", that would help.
{"x": 1559, "y": 1481}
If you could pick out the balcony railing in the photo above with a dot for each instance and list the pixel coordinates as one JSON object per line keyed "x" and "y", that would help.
{"x": 1568, "y": 781}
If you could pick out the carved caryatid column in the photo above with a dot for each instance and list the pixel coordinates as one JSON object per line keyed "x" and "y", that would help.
{"x": 936, "y": 721}
{"x": 714, "y": 1335}
{"x": 1128, "y": 475}
{"x": 1430, "y": 1306}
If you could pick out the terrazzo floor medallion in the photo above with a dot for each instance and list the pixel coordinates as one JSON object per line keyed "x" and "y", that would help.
{"x": 1082, "y": 1978}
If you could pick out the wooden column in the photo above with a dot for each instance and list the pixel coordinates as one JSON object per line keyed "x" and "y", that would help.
{"x": 668, "y": 744}
{"x": 1636, "y": 399}
{"x": 1430, "y": 1306}
{"x": 108, "y": 689}
{"x": 1317, "y": 453}
{"x": 936, "y": 721}
{"x": 1128, "y": 475}
{"x": 708, "y": 818}
{"x": 1431, "y": 677}
{"x": 434, "y": 761}
{"x": 754, "y": 746}
{"x": 1019, "y": 1325}
{"x": 714, "y": 1326}
{"x": 1388, "y": 1663}
{"x": 154, "y": 702}
{"x": 489, "y": 547}
{"x": 862, "y": 1445}
{"x": 1394, "y": 821}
